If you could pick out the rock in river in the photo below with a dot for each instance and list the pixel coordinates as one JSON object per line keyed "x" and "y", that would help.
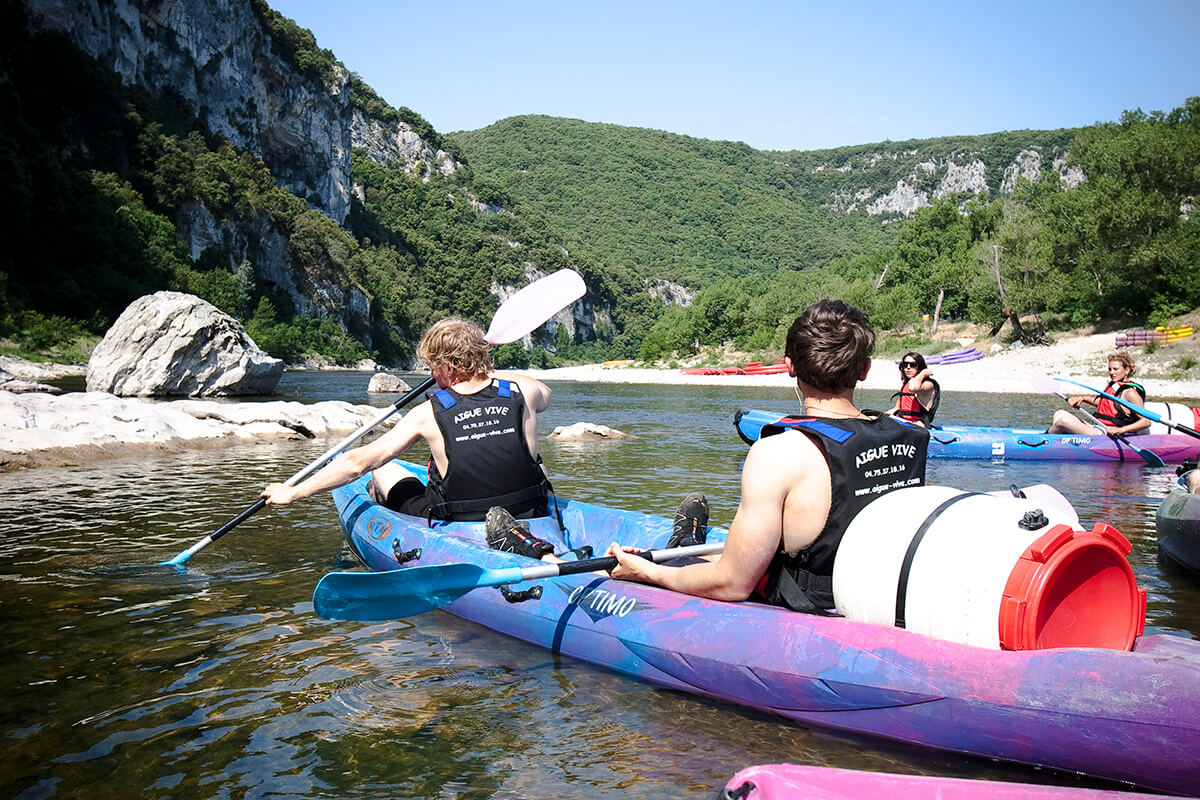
{"x": 172, "y": 344}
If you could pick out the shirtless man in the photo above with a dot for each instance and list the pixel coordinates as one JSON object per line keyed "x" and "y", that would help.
{"x": 801, "y": 486}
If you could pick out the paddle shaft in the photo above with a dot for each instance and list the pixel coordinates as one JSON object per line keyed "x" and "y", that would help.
{"x": 1135, "y": 408}
{"x": 594, "y": 564}
{"x": 312, "y": 467}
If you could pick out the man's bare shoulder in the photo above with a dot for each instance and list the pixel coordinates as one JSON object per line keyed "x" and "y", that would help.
{"x": 786, "y": 449}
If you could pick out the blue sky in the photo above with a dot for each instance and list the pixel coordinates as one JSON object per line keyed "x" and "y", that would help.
{"x": 775, "y": 75}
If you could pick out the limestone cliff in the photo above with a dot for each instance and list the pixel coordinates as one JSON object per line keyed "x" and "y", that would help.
{"x": 217, "y": 57}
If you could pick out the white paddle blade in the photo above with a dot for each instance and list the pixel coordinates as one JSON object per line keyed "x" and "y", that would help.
{"x": 532, "y": 306}
{"x": 1046, "y": 385}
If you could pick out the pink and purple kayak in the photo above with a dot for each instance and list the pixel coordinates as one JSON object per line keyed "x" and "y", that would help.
{"x": 795, "y": 782}
{"x": 1130, "y": 716}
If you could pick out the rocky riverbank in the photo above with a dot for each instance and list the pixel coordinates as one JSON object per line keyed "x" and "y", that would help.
{"x": 39, "y": 429}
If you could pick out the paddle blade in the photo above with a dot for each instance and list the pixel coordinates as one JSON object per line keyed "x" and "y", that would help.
{"x": 532, "y": 306}
{"x": 395, "y": 594}
{"x": 1045, "y": 385}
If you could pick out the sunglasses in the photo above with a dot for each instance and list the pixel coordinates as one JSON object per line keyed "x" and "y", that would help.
{"x": 906, "y": 364}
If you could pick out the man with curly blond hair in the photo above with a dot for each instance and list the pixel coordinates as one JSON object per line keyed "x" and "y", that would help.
{"x": 481, "y": 428}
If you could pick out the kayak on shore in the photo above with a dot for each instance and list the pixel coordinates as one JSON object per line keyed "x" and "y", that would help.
{"x": 1126, "y": 716}
{"x": 961, "y": 441}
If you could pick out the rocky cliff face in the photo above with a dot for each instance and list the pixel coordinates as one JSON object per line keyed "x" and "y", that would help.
{"x": 928, "y": 180}
{"x": 216, "y": 55}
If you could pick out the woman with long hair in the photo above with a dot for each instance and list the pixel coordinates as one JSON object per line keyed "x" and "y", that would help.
{"x": 919, "y": 394}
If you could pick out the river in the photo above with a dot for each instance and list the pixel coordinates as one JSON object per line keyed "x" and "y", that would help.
{"x": 127, "y": 679}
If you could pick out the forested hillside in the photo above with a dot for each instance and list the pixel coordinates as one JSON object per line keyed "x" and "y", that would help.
{"x": 668, "y": 207}
{"x": 995, "y": 227}
{"x": 694, "y": 211}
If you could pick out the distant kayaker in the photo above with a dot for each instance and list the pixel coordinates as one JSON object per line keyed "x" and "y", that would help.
{"x": 481, "y": 428}
{"x": 802, "y": 485}
{"x": 919, "y": 394}
{"x": 1116, "y": 419}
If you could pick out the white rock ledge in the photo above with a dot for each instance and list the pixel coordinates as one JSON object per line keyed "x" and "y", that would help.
{"x": 46, "y": 430}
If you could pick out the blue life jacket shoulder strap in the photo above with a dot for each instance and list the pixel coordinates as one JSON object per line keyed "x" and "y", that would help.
{"x": 833, "y": 432}
{"x": 447, "y": 400}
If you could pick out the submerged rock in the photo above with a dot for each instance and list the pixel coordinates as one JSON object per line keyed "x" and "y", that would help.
{"x": 587, "y": 432}
{"x": 172, "y": 344}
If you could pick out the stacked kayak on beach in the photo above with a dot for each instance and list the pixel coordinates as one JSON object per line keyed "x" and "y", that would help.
{"x": 954, "y": 357}
{"x": 1160, "y": 335}
{"x": 960, "y": 441}
{"x": 1178, "y": 522}
{"x": 1128, "y": 715}
{"x": 752, "y": 368}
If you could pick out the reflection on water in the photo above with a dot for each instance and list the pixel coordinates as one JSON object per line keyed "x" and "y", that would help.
{"x": 215, "y": 680}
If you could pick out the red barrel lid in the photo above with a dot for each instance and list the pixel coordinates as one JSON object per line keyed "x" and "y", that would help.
{"x": 1073, "y": 588}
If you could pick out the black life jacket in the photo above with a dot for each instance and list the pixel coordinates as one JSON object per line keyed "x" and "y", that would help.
{"x": 1117, "y": 414}
{"x": 867, "y": 458}
{"x": 488, "y": 460}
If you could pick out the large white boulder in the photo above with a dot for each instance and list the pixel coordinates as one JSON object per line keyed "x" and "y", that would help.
{"x": 170, "y": 343}
{"x": 386, "y": 383}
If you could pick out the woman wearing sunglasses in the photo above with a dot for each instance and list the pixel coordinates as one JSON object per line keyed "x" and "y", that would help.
{"x": 919, "y": 394}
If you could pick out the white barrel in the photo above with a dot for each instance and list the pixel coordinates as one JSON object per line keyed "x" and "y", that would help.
{"x": 1176, "y": 412}
{"x": 967, "y": 567}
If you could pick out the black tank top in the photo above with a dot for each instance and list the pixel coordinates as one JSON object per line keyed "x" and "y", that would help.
{"x": 488, "y": 460}
{"x": 867, "y": 458}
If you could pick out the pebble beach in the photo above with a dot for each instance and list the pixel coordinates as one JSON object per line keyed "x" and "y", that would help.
{"x": 1079, "y": 358}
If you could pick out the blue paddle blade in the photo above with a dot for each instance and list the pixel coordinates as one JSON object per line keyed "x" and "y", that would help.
{"x": 378, "y": 596}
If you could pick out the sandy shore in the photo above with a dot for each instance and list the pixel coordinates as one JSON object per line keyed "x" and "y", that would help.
{"x": 1079, "y": 358}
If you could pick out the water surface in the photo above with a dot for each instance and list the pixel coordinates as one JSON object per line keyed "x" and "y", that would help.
{"x": 124, "y": 678}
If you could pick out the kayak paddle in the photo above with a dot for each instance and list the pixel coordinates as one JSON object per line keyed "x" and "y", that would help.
{"x": 516, "y": 316}
{"x": 399, "y": 593}
{"x": 1135, "y": 408}
{"x": 1044, "y": 384}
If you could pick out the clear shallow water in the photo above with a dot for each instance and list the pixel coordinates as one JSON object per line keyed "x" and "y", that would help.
{"x": 124, "y": 678}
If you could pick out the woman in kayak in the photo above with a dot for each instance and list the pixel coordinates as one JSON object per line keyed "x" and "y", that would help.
{"x": 919, "y": 394}
{"x": 1116, "y": 419}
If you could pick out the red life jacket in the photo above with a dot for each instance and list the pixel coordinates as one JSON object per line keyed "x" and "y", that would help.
{"x": 1114, "y": 412}
{"x": 909, "y": 405}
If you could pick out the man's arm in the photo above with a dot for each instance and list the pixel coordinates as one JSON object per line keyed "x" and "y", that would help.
{"x": 537, "y": 394}
{"x": 770, "y": 472}
{"x": 340, "y": 471}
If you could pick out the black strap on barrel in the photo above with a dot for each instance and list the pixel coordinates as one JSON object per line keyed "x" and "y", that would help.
{"x": 913, "y": 546}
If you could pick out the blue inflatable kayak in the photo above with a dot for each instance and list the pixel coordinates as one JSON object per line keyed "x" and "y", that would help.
{"x": 1125, "y": 716}
{"x": 953, "y": 441}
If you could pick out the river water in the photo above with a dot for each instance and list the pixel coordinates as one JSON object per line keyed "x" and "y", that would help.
{"x": 126, "y": 679}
